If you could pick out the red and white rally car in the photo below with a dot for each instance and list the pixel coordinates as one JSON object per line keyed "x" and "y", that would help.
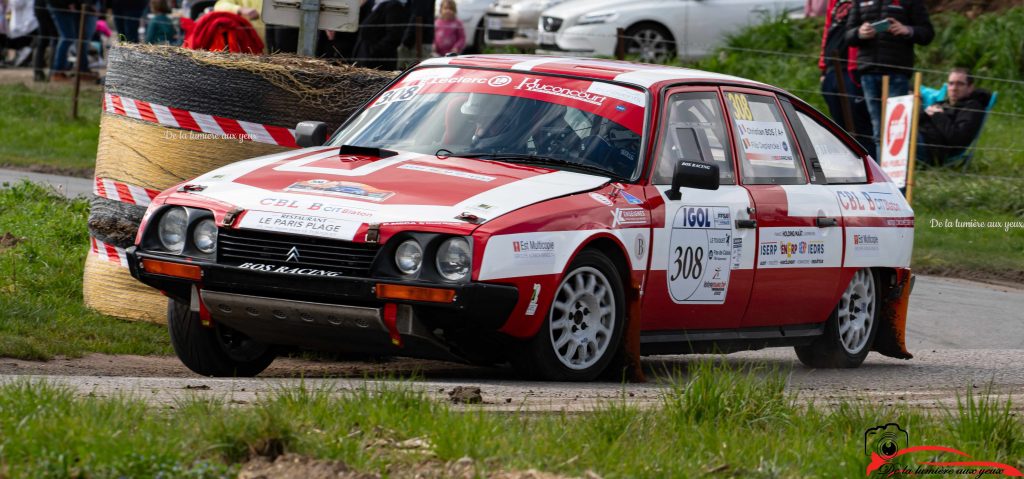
{"x": 551, "y": 212}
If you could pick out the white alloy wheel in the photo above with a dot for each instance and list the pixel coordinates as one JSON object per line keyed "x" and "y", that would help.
{"x": 856, "y": 312}
{"x": 582, "y": 318}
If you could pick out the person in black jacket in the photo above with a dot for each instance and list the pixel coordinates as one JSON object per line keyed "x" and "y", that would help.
{"x": 424, "y": 11}
{"x": 380, "y": 34}
{"x": 947, "y": 128}
{"x": 885, "y": 32}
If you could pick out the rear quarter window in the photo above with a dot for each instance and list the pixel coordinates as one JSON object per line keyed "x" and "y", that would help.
{"x": 839, "y": 163}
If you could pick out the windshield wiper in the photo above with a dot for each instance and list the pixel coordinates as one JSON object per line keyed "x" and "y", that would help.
{"x": 543, "y": 160}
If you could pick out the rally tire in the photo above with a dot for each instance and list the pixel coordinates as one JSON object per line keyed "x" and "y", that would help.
{"x": 217, "y": 351}
{"x": 851, "y": 328}
{"x": 582, "y": 331}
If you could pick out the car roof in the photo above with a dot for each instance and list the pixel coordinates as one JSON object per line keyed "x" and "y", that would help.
{"x": 643, "y": 75}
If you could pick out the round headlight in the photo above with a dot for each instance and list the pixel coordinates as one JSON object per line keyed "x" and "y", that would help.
{"x": 453, "y": 259}
{"x": 205, "y": 236}
{"x": 409, "y": 257}
{"x": 171, "y": 229}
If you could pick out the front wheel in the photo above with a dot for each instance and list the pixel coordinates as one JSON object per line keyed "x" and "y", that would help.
{"x": 583, "y": 329}
{"x": 651, "y": 42}
{"x": 850, "y": 330}
{"x": 219, "y": 351}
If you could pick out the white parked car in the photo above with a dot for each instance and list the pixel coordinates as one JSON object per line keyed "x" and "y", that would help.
{"x": 658, "y": 28}
{"x": 471, "y": 14}
{"x": 514, "y": 22}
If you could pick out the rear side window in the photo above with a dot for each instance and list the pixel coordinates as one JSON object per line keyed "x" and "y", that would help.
{"x": 702, "y": 112}
{"x": 766, "y": 148}
{"x": 839, "y": 163}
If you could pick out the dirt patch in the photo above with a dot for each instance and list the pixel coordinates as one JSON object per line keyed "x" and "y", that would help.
{"x": 1006, "y": 278}
{"x": 294, "y": 466}
{"x": 289, "y": 466}
{"x": 51, "y": 170}
{"x": 8, "y": 240}
{"x": 465, "y": 395}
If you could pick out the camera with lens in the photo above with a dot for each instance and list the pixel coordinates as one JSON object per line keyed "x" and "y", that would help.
{"x": 885, "y": 440}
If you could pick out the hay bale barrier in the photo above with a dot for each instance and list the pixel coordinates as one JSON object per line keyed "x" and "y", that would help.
{"x": 171, "y": 114}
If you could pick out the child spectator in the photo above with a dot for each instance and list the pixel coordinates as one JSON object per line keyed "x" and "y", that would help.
{"x": 449, "y": 36}
{"x": 160, "y": 28}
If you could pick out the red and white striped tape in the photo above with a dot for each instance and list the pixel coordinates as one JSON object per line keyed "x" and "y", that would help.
{"x": 109, "y": 252}
{"x": 188, "y": 120}
{"x": 123, "y": 192}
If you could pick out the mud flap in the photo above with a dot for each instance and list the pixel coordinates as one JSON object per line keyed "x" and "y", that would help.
{"x": 891, "y": 338}
{"x": 634, "y": 369}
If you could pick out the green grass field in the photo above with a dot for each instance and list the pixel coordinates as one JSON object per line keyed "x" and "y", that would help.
{"x": 41, "y": 310}
{"x": 38, "y": 129}
{"x": 46, "y": 431}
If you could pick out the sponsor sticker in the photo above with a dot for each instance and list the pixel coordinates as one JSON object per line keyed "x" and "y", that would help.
{"x": 617, "y": 92}
{"x": 300, "y": 224}
{"x": 737, "y": 252}
{"x": 877, "y": 202}
{"x": 532, "y": 307}
{"x": 397, "y": 95}
{"x": 533, "y": 250}
{"x": 604, "y": 200}
{"x": 702, "y": 253}
{"x": 631, "y": 199}
{"x": 270, "y": 268}
{"x": 446, "y": 172}
{"x": 765, "y": 141}
{"x": 866, "y": 245}
{"x": 537, "y": 85}
{"x": 348, "y": 189}
{"x": 630, "y": 216}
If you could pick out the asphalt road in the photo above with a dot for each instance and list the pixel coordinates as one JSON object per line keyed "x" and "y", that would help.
{"x": 964, "y": 335}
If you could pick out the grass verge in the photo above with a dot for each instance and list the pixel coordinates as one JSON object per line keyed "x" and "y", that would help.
{"x": 38, "y": 130}
{"x": 718, "y": 422}
{"x": 41, "y": 310}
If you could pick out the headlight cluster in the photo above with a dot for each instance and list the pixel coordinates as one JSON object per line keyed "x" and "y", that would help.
{"x": 185, "y": 228}
{"x": 452, "y": 259}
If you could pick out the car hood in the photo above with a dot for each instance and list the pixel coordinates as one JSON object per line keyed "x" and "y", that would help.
{"x": 406, "y": 187}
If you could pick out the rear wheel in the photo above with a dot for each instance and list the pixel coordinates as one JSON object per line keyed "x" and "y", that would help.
{"x": 583, "y": 329}
{"x": 850, "y": 330}
{"x": 219, "y": 351}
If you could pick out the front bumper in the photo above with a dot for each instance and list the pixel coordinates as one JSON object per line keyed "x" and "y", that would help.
{"x": 512, "y": 28}
{"x": 590, "y": 40}
{"x": 331, "y": 313}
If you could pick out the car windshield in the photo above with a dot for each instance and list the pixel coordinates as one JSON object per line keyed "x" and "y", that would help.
{"x": 506, "y": 116}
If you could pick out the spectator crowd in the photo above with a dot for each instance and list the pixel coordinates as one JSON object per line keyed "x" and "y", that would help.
{"x": 863, "y": 41}
{"x": 44, "y": 33}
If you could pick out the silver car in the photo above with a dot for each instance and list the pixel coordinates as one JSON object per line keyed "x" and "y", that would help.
{"x": 513, "y": 23}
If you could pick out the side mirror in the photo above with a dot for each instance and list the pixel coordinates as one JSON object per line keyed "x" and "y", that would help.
{"x": 692, "y": 171}
{"x": 311, "y": 133}
{"x": 691, "y": 174}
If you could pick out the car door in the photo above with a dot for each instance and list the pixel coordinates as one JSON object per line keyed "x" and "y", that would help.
{"x": 701, "y": 264}
{"x": 799, "y": 224}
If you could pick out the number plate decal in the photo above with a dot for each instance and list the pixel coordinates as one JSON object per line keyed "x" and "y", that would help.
{"x": 700, "y": 253}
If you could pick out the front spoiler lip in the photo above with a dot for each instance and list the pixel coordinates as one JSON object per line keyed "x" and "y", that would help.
{"x": 490, "y": 305}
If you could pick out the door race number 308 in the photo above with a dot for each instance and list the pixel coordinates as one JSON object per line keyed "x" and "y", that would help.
{"x": 699, "y": 254}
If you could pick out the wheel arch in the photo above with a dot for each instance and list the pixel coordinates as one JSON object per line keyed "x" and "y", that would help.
{"x": 654, "y": 23}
